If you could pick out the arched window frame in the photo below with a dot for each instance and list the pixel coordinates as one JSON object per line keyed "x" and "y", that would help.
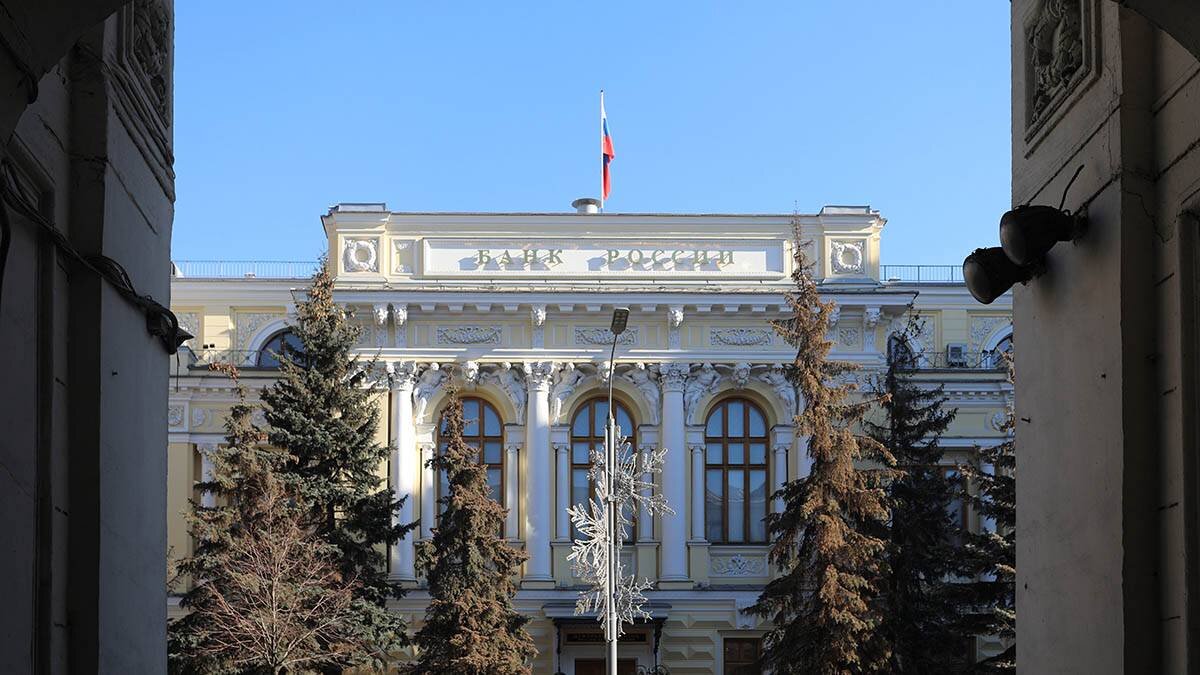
{"x": 736, "y": 442}
{"x": 593, "y": 437}
{"x": 279, "y": 344}
{"x": 482, "y": 440}
{"x": 1000, "y": 344}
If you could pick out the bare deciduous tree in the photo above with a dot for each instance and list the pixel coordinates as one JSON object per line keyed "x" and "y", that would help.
{"x": 279, "y": 603}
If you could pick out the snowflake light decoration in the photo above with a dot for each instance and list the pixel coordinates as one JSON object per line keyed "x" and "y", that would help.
{"x": 590, "y": 552}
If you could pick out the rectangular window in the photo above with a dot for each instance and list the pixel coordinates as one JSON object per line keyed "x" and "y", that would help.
{"x": 714, "y": 498}
{"x": 741, "y": 656}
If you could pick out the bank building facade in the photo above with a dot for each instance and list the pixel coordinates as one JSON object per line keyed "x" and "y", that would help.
{"x": 514, "y": 309}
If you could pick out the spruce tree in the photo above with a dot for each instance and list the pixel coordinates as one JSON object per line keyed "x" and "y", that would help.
{"x": 322, "y": 412}
{"x": 470, "y": 624}
{"x": 826, "y": 541}
{"x": 918, "y": 602}
{"x": 989, "y": 557}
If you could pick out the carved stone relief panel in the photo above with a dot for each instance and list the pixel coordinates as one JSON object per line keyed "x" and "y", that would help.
{"x": 848, "y": 256}
{"x": 360, "y": 255}
{"x": 1059, "y": 58}
{"x": 177, "y": 417}
{"x": 737, "y": 565}
{"x": 141, "y": 75}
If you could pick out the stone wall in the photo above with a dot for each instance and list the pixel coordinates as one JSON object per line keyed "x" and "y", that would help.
{"x": 1105, "y": 385}
{"x": 82, "y": 406}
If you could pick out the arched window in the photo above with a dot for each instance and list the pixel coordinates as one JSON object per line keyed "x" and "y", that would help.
{"x": 994, "y": 357}
{"x": 735, "y": 476}
{"x": 587, "y": 433}
{"x": 283, "y": 344}
{"x": 483, "y": 431}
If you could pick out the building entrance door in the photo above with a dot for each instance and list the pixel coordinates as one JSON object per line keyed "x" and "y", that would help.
{"x": 596, "y": 666}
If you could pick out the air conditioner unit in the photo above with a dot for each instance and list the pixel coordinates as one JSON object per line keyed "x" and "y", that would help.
{"x": 956, "y": 355}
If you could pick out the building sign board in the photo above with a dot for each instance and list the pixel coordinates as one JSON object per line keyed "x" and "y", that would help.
{"x": 753, "y": 259}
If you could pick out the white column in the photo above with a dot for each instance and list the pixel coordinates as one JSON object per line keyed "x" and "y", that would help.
{"x": 428, "y": 492}
{"x": 697, "y": 493}
{"x": 645, "y": 521}
{"x": 562, "y": 492}
{"x": 538, "y": 377}
{"x": 779, "y": 476}
{"x": 674, "y": 476}
{"x": 512, "y": 527}
{"x": 404, "y": 467}
{"x": 207, "y": 499}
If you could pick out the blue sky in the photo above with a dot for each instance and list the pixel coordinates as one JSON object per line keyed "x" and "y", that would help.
{"x": 283, "y": 108}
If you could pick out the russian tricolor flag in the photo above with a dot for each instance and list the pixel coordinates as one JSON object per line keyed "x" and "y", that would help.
{"x": 606, "y": 152}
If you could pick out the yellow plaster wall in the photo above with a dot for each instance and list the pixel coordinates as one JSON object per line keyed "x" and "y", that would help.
{"x": 180, "y": 477}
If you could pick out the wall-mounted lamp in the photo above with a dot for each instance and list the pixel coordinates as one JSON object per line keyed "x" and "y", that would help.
{"x": 1027, "y": 233}
{"x": 989, "y": 274}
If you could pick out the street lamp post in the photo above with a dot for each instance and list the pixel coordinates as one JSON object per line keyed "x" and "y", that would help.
{"x": 623, "y": 481}
{"x": 620, "y": 319}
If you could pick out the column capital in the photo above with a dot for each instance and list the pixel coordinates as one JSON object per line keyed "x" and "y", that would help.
{"x": 539, "y": 374}
{"x": 781, "y": 449}
{"x": 673, "y": 375}
{"x": 403, "y": 373}
{"x": 696, "y": 449}
{"x": 512, "y": 448}
{"x": 207, "y": 446}
{"x": 562, "y": 448}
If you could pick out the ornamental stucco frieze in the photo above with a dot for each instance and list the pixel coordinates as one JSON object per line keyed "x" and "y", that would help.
{"x": 982, "y": 328}
{"x": 741, "y": 337}
{"x": 737, "y": 565}
{"x": 247, "y": 324}
{"x": 603, "y": 337}
{"x": 468, "y": 335}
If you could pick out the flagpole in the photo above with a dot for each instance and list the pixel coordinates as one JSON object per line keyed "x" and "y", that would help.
{"x": 601, "y": 150}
